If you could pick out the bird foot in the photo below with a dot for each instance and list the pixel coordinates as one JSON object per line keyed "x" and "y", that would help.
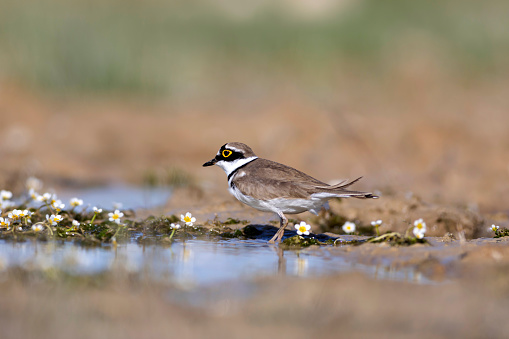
{"x": 276, "y": 239}
{"x": 283, "y": 222}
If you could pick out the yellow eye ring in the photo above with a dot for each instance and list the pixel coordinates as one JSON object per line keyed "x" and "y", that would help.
{"x": 226, "y": 153}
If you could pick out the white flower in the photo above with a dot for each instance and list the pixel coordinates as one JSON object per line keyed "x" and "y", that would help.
{"x": 15, "y": 214}
{"x": 302, "y": 228}
{"x": 118, "y": 205}
{"x": 116, "y": 216}
{"x": 420, "y": 224}
{"x": 5, "y": 204}
{"x": 5, "y": 195}
{"x": 37, "y": 228}
{"x": 97, "y": 210}
{"x": 188, "y": 219}
{"x": 58, "y": 205}
{"x": 75, "y": 202}
{"x": 75, "y": 223}
{"x": 54, "y": 219}
{"x": 41, "y": 198}
{"x": 376, "y": 223}
{"x": 46, "y": 197}
{"x": 419, "y": 232}
{"x": 33, "y": 194}
{"x": 5, "y": 222}
{"x": 174, "y": 226}
{"x": 494, "y": 227}
{"x": 349, "y": 227}
{"x": 26, "y": 214}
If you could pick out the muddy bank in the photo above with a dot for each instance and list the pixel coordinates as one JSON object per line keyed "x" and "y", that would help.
{"x": 397, "y": 211}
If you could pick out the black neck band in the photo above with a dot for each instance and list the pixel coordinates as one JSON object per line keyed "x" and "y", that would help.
{"x": 235, "y": 170}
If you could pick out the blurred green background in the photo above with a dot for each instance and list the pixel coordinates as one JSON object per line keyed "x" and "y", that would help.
{"x": 201, "y": 47}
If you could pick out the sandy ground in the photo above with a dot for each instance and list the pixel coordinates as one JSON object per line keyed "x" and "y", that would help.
{"x": 447, "y": 145}
{"x": 445, "y": 148}
{"x": 430, "y": 149}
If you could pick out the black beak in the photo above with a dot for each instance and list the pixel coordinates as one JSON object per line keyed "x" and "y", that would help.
{"x": 210, "y": 163}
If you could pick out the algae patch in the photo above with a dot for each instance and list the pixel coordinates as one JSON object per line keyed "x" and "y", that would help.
{"x": 501, "y": 232}
{"x": 396, "y": 239}
{"x": 299, "y": 241}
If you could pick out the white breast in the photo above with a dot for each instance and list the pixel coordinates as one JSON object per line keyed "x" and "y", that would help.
{"x": 289, "y": 206}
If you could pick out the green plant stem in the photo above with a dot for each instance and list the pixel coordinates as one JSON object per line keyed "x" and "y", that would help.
{"x": 118, "y": 230}
{"x": 407, "y": 232}
{"x": 93, "y": 218}
{"x": 49, "y": 228}
{"x": 49, "y": 207}
{"x": 172, "y": 233}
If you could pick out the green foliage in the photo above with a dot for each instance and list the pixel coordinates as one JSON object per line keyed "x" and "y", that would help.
{"x": 232, "y": 234}
{"x": 501, "y": 232}
{"x": 46, "y": 221}
{"x": 330, "y": 221}
{"x": 160, "y": 47}
{"x": 298, "y": 241}
{"x": 233, "y": 221}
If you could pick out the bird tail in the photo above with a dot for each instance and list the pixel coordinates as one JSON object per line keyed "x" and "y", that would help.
{"x": 342, "y": 192}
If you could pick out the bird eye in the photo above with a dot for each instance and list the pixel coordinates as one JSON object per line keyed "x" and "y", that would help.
{"x": 227, "y": 153}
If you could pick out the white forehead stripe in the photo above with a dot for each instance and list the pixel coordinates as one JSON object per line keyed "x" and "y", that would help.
{"x": 233, "y": 149}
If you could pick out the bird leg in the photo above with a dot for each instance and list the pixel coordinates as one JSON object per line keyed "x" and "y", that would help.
{"x": 283, "y": 222}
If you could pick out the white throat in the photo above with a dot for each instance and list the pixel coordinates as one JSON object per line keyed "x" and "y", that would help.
{"x": 230, "y": 166}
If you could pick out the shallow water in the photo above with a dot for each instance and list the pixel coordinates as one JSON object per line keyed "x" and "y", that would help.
{"x": 194, "y": 263}
{"x": 131, "y": 197}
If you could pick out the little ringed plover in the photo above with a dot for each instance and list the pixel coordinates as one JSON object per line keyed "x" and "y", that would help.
{"x": 272, "y": 187}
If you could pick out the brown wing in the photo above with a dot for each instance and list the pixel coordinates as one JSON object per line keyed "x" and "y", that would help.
{"x": 268, "y": 180}
{"x": 341, "y": 188}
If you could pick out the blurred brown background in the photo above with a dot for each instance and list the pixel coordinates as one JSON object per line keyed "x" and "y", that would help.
{"x": 411, "y": 95}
